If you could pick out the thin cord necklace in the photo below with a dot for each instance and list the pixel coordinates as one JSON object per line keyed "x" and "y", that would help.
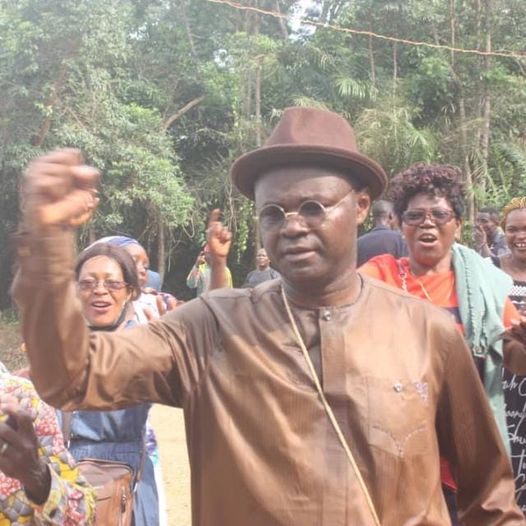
{"x": 328, "y": 409}
{"x": 405, "y": 272}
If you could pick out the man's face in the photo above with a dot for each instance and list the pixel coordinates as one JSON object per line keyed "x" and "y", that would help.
{"x": 319, "y": 256}
{"x": 262, "y": 259}
{"x": 488, "y": 224}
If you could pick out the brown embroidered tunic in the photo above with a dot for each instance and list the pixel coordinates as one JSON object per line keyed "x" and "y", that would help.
{"x": 396, "y": 372}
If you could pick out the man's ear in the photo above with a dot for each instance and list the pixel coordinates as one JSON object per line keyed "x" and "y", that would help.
{"x": 363, "y": 204}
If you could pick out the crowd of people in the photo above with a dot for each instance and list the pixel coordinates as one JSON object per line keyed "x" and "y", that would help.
{"x": 362, "y": 381}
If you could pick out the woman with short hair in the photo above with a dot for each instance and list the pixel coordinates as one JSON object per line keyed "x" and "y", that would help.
{"x": 429, "y": 202}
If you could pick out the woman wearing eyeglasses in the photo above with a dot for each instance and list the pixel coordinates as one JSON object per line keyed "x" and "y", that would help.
{"x": 107, "y": 283}
{"x": 429, "y": 202}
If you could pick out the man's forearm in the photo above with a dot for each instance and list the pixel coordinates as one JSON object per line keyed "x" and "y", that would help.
{"x": 218, "y": 274}
{"x": 52, "y": 323}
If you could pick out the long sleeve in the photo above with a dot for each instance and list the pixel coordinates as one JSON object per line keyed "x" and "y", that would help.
{"x": 71, "y": 501}
{"x": 74, "y": 368}
{"x": 469, "y": 439}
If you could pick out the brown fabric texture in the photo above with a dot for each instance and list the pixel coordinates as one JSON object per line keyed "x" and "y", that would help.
{"x": 309, "y": 135}
{"x": 397, "y": 374}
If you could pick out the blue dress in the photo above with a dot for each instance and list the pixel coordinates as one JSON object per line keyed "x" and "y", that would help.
{"x": 119, "y": 435}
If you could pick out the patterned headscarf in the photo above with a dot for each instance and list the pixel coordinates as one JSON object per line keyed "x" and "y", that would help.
{"x": 119, "y": 241}
{"x": 515, "y": 204}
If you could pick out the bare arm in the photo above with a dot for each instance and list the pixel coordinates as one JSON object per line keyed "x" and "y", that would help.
{"x": 219, "y": 240}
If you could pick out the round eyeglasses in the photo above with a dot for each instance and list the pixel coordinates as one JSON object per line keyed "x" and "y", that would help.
{"x": 416, "y": 216}
{"x": 312, "y": 213}
{"x": 108, "y": 284}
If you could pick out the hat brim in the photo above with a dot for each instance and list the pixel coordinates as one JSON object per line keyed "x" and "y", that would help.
{"x": 249, "y": 167}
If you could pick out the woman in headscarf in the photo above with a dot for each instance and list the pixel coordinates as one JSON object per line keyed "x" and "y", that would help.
{"x": 151, "y": 303}
{"x": 429, "y": 203}
{"x": 107, "y": 285}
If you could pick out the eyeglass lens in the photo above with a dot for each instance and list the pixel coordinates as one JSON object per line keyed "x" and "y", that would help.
{"x": 312, "y": 212}
{"x": 439, "y": 215}
{"x": 108, "y": 284}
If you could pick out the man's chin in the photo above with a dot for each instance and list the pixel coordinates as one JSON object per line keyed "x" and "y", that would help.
{"x": 306, "y": 278}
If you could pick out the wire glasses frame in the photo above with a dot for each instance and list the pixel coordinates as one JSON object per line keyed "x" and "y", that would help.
{"x": 108, "y": 284}
{"x": 417, "y": 216}
{"x": 311, "y": 212}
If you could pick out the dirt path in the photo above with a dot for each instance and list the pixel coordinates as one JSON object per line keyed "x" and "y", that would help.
{"x": 168, "y": 424}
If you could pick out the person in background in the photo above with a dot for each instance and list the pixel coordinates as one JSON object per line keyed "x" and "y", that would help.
{"x": 39, "y": 483}
{"x": 146, "y": 308}
{"x": 320, "y": 399}
{"x": 514, "y": 263}
{"x": 264, "y": 271}
{"x": 429, "y": 201}
{"x": 151, "y": 303}
{"x": 107, "y": 284}
{"x": 489, "y": 236}
{"x": 153, "y": 280}
{"x": 382, "y": 239}
{"x": 200, "y": 274}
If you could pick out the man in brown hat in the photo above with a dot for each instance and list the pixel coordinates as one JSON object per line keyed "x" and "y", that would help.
{"x": 322, "y": 399}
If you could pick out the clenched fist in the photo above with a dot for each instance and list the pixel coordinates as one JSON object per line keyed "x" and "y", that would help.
{"x": 58, "y": 189}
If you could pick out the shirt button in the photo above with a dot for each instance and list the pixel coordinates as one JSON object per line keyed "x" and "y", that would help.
{"x": 327, "y": 315}
{"x": 398, "y": 387}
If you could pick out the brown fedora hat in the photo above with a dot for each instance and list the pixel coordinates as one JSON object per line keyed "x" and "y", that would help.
{"x": 309, "y": 135}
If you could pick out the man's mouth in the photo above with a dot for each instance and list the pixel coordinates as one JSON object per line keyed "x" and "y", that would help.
{"x": 297, "y": 253}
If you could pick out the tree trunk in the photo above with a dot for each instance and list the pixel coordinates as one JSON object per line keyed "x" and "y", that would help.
{"x": 257, "y": 102}
{"x": 371, "y": 61}
{"x": 92, "y": 236}
{"x": 50, "y": 104}
{"x": 452, "y": 28}
{"x": 485, "y": 104}
{"x": 188, "y": 29}
{"x": 462, "y": 120}
{"x": 282, "y": 23}
{"x": 179, "y": 113}
{"x": 257, "y": 89}
{"x": 161, "y": 248}
{"x": 468, "y": 174}
{"x": 395, "y": 65}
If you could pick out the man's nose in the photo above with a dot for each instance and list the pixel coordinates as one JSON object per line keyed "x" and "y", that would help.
{"x": 293, "y": 224}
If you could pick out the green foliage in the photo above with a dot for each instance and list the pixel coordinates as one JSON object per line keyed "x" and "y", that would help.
{"x": 162, "y": 96}
{"x": 387, "y": 133}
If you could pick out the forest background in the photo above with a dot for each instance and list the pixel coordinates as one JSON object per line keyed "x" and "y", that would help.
{"x": 162, "y": 95}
